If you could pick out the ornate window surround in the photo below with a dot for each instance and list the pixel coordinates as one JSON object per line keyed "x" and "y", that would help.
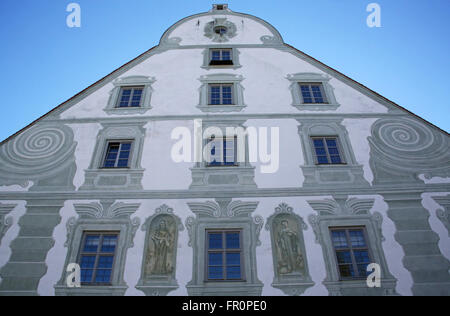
{"x": 145, "y": 82}
{"x": 298, "y": 78}
{"x": 238, "y": 93}
{"x": 98, "y": 178}
{"x": 224, "y": 214}
{"x": 103, "y": 216}
{"x": 290, "y": 284}
{"x": 159, "y": 285}
{"x": 354, "y": 212}
{"x": 225, "y": 177}
{"x": 207, "y": 59}
{"x": 348, "y": 173}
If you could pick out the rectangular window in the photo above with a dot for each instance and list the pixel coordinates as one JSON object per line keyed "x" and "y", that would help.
{"x": 118, "y": 155}
{"x": 221, "y": 57}
{"x": 327, "y": 151}
{"x": 221, "y": 94}
{"x": 352, "y": 252}
{"x": 130, "y": 97}
{"x": 224, "y": 256}
{"x": 96, "y": 258}
{"x": 223, "y": 151}
{"x": 313, "y": 93}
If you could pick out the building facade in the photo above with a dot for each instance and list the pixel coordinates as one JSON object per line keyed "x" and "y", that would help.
{"x": 225, "y": 162}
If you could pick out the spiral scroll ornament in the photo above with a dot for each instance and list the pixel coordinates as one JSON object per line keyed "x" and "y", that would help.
{"x": 37, "y": 153}
{"x": 409, "y": 145}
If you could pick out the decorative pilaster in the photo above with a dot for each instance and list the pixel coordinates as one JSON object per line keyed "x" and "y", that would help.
{"x": 423, "y": 258}
{"x": 5, "y": 222}
{"x": 26, "y": 266}
{"x": 444, "y": 213}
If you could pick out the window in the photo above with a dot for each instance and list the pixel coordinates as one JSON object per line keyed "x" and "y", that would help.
{"x": 97, "y": 257}
{"x": 223, "y": 151}
{"x": 221, "y": 57}
{"x": 327, "y": 151}
{"x": 130, "y": 97}
{"x": 313, "y": 93}
{"x": 117, "y": 155}
{"x": 221, "y": 30}
{"x": 221, "y": 94}
{"x": 224, "y": 259}
{"x": 352, "y": 252}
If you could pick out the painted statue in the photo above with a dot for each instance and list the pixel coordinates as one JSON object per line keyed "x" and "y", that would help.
{"x": 163, "y": 243}
{"x": 290, "y": 256}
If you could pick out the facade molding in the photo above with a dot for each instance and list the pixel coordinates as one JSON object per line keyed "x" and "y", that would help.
{"x": 224, "y": 214}
{"x": 106, "y": 215}
{"x": 348, "y": 173}
{"x": 98, "y": 178}
{"x": 288, "y": 251}
{"x": 297, "y": 102}
{"x": 144, "y": 81}
{"x": 158, "y": 272}
{"x": 444, "y": 213}
{"x": 344, "y": 212}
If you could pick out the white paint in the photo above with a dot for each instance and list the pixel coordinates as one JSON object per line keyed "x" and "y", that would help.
{"x": 57, "y": 255}
{"x": 436, "y": 225}
{"x": 12, "y": 232}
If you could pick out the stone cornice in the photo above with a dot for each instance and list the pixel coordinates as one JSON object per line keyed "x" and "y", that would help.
{"x": 389, "y": 190}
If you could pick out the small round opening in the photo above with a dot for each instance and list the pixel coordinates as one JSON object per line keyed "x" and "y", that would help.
{"x": 221, "y": 30}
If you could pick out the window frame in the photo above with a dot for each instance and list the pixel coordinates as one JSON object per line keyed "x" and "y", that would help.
{"x": 224, "y": 251}
{"x": 310, "y": 85}
{"x": 133, "y": 89}
{"x": 221, "y": 85}
{"x": 223, "y": 163}
{"x": 106, "y": 151}
{"x": 221, "y": 61}
{"x": 339, "y": 148}
{"x": 351, "y": 249}
{"x": 97, "y": 254}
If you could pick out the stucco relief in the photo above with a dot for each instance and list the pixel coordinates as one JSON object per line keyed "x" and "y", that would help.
{"x": 159, "y": 262}
{"x": 212, "y": 30}
{"x": 44, "y": 153}
{"x": 5, "y": 222}
{"x": 288, "y": 250}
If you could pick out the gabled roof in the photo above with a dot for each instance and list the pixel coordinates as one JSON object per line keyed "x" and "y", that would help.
{"x": 335, "y": 73}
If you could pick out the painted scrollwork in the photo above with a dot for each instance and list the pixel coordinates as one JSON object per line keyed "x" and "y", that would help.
{"x": 405, "y": 145}
{"x": 444, "y": 213}
{"x": 39, "y": 152}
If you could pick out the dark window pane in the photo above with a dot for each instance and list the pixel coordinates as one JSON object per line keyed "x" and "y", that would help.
{"x": 215, "y": 273}
{"x": 87, "y": 262}
{"x": 344, "y": 257}
{"x": 361, "y": 256}
{"x": 103, "y": 276}
{"x": 362, "y": 270}
{"x": 233, "y": 259}
{"x": 126, "y": 146}
{"x": 91, "y": 243}
{"x": 331, "y": 143}
{"x": 126, "y": 92}
{"x": 105, "y": 262}
{"x": 321, "y": 151}
{"x": 215, "y": 241}
{"x": 336, "y": 159}
{"x": 226, "y": 55}
{"x": 86, "y": 275}
{"x": 339, "y": 239}
{"x": 234, "y": 273}
{"x": 233, "y": 241}
{"x": 357, "y": 239}
{"x": 318, "y": 143}
{"x": 123, "y": 163}
{"x": 322, "y": 160}
{"x": 346, "y": 271}
{"x": 215, "y": 259}
{"x": 109, "y": 243}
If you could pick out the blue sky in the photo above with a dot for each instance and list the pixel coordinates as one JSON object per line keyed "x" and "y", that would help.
{"x": 43, "y": 62}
